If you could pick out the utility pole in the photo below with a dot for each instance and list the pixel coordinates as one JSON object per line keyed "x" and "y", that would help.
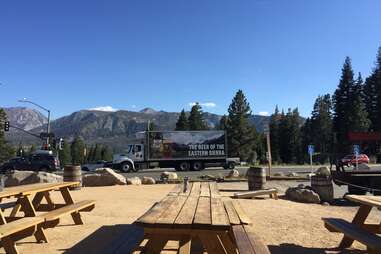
{"x": 269, "y": 158}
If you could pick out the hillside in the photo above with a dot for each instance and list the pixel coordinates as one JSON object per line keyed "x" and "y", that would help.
{"x": 111, "y": 128}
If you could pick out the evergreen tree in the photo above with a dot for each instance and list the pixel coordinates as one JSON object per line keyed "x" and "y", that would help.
{"x": 6, "y": 150}
{"x": 223, "y": 123}
{"x": 195, "y": 120}
{"x": 372, "y": 91}
{"x": 106, "y": 153}
{"x": 240, "y": 134}
{"x": 97, "y": 153}
{"x": 32, "y": 149}
{"x": 182, "y": 123}
{"x": 320, "y": 129}
{"x": 274, "y": 135}
{"x": 341, "y": 104}
{"x": 77, "y": 151}
{"x": 290, "y": 137}
{"x": 20, "y": 151}
{"x": 65, "y": 155}
{"x": 151, "y": 126}
{"x": 358, "y": 116}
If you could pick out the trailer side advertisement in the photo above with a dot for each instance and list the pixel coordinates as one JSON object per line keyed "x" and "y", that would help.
{"x": 187, "y": 144}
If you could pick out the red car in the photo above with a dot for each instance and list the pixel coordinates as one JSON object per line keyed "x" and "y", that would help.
{"x": 351, "y": 159}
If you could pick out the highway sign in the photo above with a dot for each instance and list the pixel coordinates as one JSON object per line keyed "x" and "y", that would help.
{"x": 311, "y": 149}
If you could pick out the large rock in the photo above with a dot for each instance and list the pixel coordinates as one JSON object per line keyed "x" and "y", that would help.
{"x": 28, "y": 177}
{"x": 103, "y": 177}
{"x": 148, "y": 180}
{"x": 233, "y": 173}
{"x": 302, "y": 194}
{"x": 168, "y": 176}
{"x": 118, "y": 178}
{"x": 134, "y": 181}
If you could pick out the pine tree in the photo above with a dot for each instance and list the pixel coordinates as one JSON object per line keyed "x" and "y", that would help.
{"x": 97, "y": 152}
{"x": 223, "y": 125}
{"x": 77, "y": 151}
{"x": 290, "y": 137}
{"x": 274, "y": 135}
{"x": 20, "y": 150}
{"x": 195, "y": 120}
{"x": 372, "y": 91}
{"x": 240, "y": 134}
{"x": 65, "y": 155}
{"x": 182, "y": 123}
{"x": 6, "y": 150}
{"x": 321, "y": 127}
{"x": 341, "y": 105}
{"x": 358, "y": 116}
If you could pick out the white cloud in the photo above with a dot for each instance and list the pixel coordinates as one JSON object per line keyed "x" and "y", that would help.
{"x": 263, "y": 113}
{"x": 104, "y": 108}
{"x": 133, "y": 106}
{"x": 204, "y": 104}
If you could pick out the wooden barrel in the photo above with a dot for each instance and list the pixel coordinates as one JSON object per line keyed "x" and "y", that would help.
{"x": 323, "y": 186}
{"x": 73, "y": 174}
{"x": 256, "y": 178}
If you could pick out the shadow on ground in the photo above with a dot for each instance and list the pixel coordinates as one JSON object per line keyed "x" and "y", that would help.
{"x": 115, "y": 239}
{"x": 287, "y": 248}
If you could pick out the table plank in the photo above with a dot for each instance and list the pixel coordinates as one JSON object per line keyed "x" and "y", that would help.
{"x": 188, "y": 211}
{"x": 33, "y": 188}
{"x": 176, "y": 190}
{"x": 172, "y": 211}
{"x": 214, "y": 192}
{"x": 232, "y": 214}
{"x": 205, "y": 191}
{"x": 196, "y": 189}
{"x": 218, "y": 213}
{"x": 182, "y": 193}
{"x": 241, "y": 213}
{"x": 366, "y": 200}
{"x": 202, "y": 215}
{"x": 151, "y": 216}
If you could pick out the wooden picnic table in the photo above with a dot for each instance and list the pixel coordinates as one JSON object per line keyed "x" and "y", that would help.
{"x": 357, "y": 229}
{"x": 200, "y": 213}
{"x": 29, "y": 200}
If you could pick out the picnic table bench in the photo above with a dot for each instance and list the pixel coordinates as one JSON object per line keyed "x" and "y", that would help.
{"x": 198, "y": 213}
{"x": 14, "y": 227}
{"x": 357, "y": 229}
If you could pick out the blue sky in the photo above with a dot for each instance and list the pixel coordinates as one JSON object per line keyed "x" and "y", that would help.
{"x": 71, "y": 55}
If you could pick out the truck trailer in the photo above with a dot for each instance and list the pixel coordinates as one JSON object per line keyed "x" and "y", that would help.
{"x": 182, "y": 150}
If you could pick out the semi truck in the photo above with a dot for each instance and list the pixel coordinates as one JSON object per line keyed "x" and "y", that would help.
{"x": 181, "y": 150}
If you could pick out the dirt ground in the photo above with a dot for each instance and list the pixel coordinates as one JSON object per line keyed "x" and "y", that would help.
{"x": 286, "y": 227}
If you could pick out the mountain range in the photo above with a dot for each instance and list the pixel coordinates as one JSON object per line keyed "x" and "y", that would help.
{"x": 111, "y": 128}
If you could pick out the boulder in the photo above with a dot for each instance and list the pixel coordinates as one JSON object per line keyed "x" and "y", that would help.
{"x": 103, "y": 177}
{"x": 304, "y": 195}
{"x": 168, "y": 176}
{"x": 148, "y": 180}
{"x": 323, "y": 171}
{"x": 118, "y": 178}
{"x": 233, "y": 173}
{"x": 292, "y": 174}
{"x": 134, "y": 181}
{"x": 16, "y": 177}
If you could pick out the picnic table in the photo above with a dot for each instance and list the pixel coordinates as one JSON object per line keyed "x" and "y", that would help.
{"x": 200, "y": 213}
{"x": 357, "y": 229}
{"x": 29, "y": 200}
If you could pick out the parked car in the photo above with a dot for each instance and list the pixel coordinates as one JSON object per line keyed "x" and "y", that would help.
{"x": 94, "y": 166}
{"x": 351, "y": 159}
{"x": 34, "y": 162}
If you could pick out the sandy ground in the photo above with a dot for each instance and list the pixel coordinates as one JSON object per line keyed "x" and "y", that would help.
{"x": 285, "y": 226}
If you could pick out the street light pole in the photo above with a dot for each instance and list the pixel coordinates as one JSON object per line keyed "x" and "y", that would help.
{"x": 43, "y": 108}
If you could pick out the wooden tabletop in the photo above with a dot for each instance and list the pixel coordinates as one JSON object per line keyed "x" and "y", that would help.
{"x": 28, "y": 189}
{"x": 200, "y": 207}
{"x": 365, "y": 200}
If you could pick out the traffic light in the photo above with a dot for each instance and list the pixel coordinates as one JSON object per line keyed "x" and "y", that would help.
{"x": 6, "y": 126}
{"x": 61, "y": 144}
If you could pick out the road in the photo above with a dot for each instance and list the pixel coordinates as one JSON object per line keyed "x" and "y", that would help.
{"x": 155, "y": 173}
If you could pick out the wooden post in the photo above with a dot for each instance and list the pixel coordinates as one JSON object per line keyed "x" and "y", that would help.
{"x": 269, "y": 159}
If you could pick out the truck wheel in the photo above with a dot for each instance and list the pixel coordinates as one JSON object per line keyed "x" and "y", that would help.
{"x": 197, "y": 166}
{"x": 231, "y": 165}
{"x": 184, "y": 166}
{"x": 125, "y": 167}
{"x": 355, "y": 190}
